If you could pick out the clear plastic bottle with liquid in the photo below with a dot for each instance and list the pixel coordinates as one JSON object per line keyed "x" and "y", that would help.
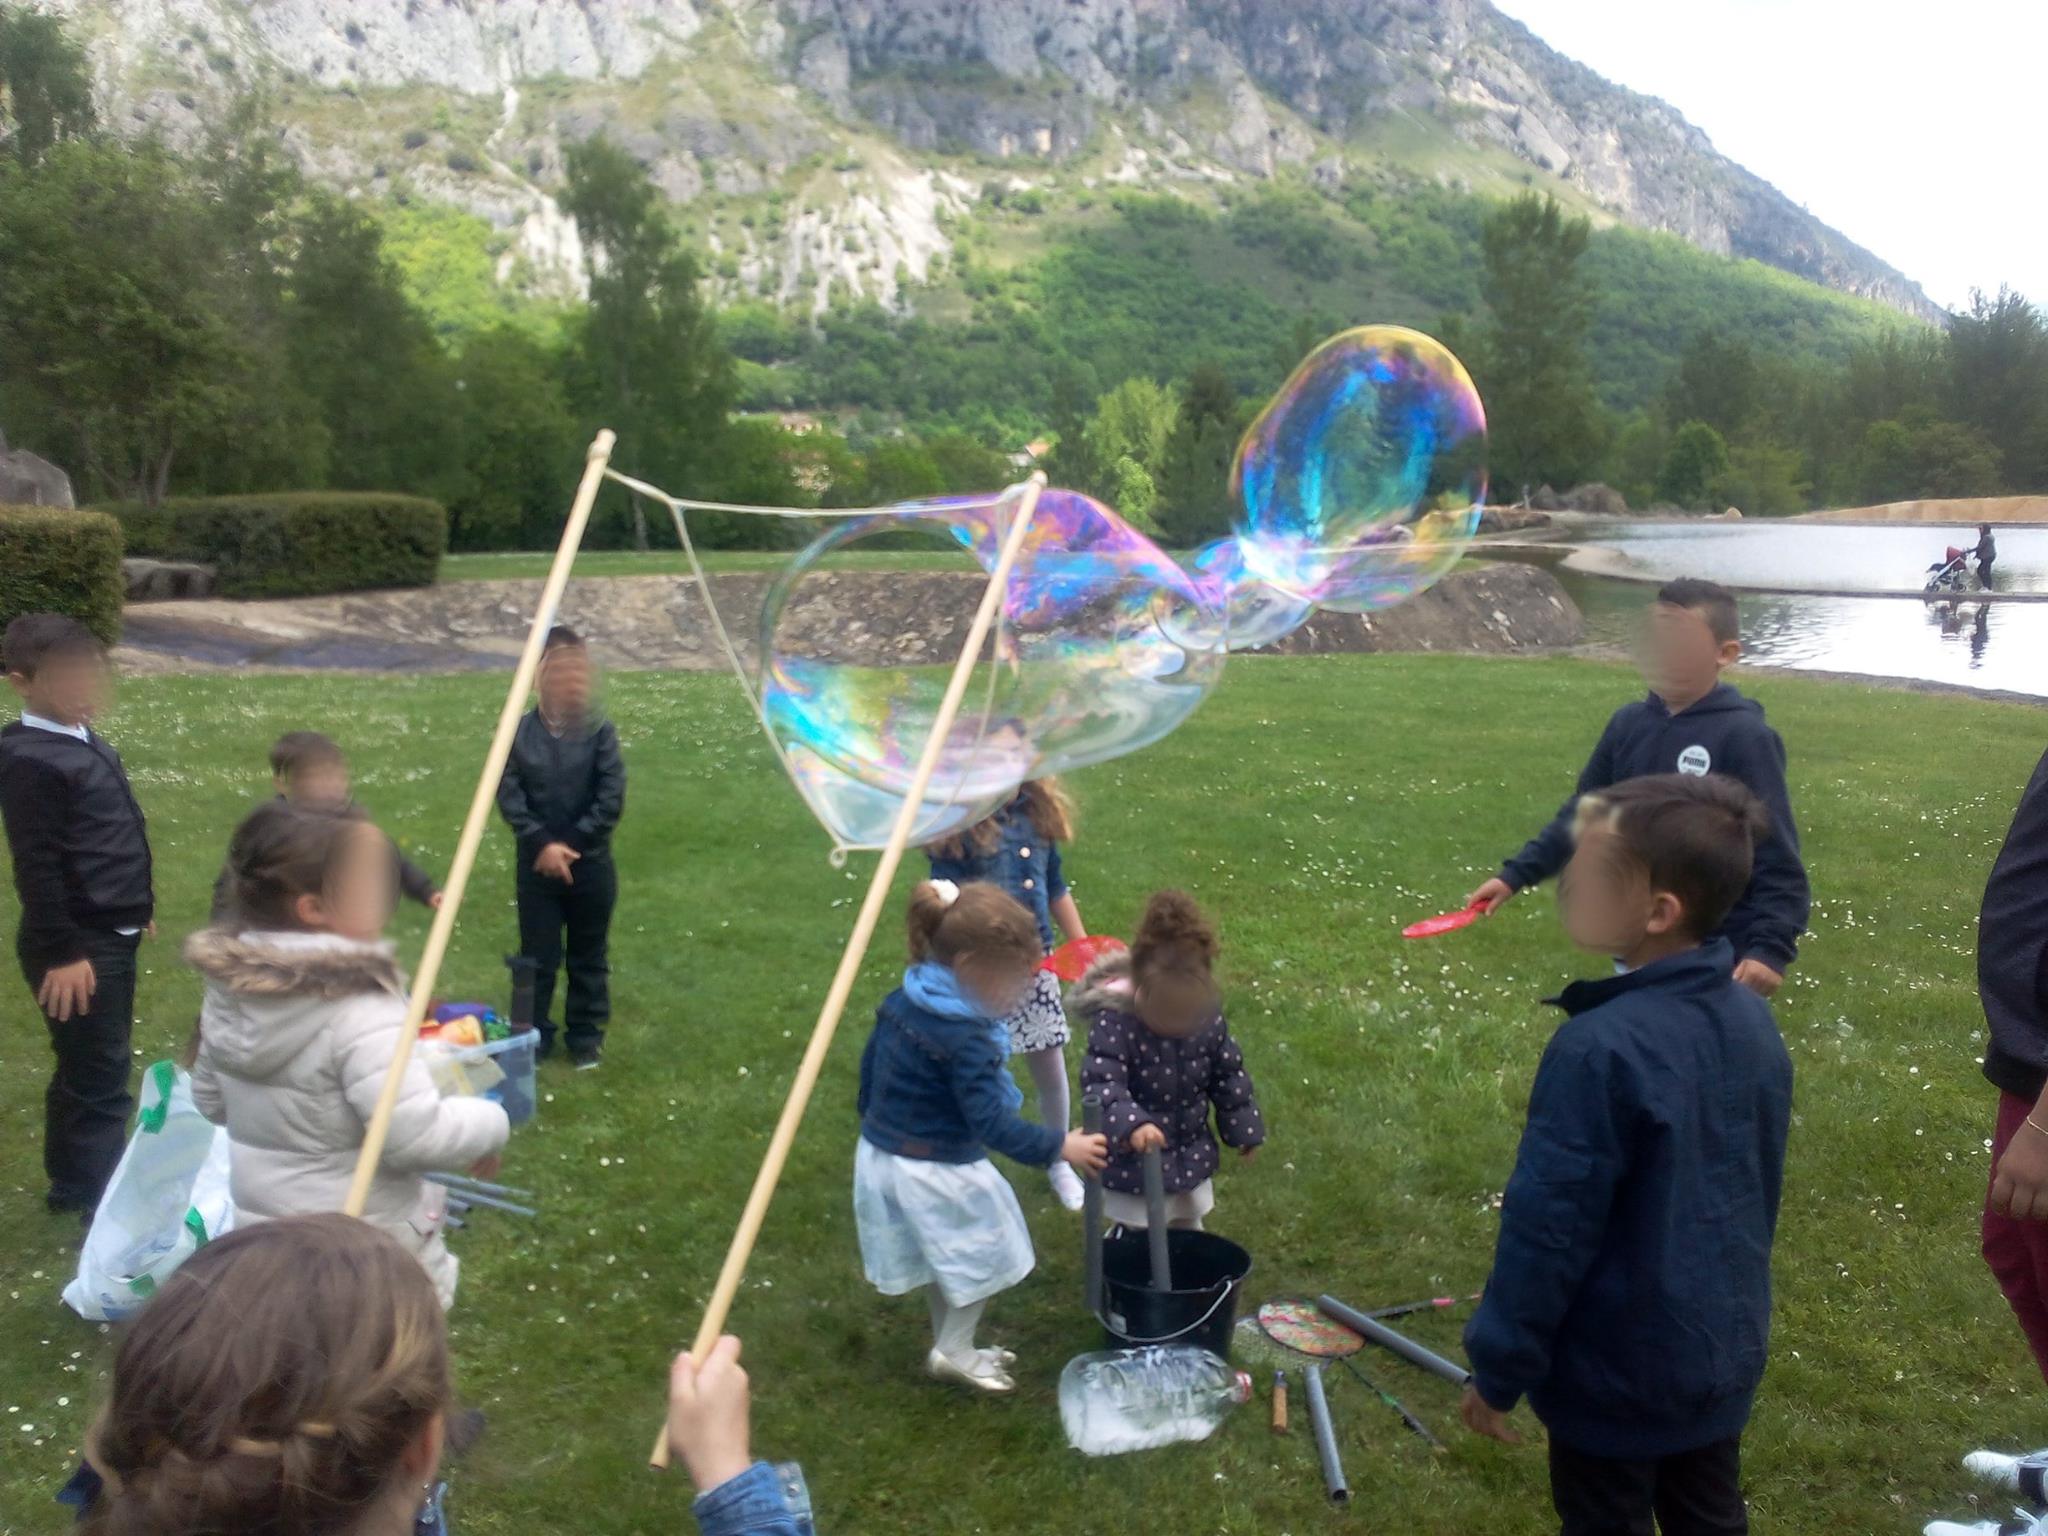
{"x": 1135, "y": 1399}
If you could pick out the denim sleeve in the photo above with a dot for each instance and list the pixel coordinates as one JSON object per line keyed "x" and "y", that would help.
{"x": 1055, "y": 874}
{"x": 978, "y": 1088}
{"x": 957, "y": 870}
{"x": 1551, "y": 849}
{"x": 761, "y": 1501}
{"x": 1573, "y": 1156}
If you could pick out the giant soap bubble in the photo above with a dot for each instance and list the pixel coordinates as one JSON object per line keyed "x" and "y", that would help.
{"x": 1258, "y": 614}
{"x": 1104, "y": 646}
{"x": 1361, "y": 481}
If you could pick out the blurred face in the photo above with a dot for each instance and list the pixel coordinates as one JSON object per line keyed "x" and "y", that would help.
{"x": 565, "y": 683}
{"x": 1680, "y": 659}
{"x": 361, "y": 891}
{"x": 318, "y": 786}
{"x": 997, "y": 983}
{"x": 70, "y": 689}
{"x": 1177, "y": 1006}
{"x": 1605, "y": 900}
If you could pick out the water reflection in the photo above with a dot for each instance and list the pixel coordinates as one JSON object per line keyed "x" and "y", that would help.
{"x": 2001, "y": 646}
{"x": 1843, "y": 557}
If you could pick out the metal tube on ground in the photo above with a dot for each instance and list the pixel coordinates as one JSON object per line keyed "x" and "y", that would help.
{"x": 467, "y": 1199}
{"x": 1091, "y": 1212}
{"x": 479, "y": 1186}
{"x": 1155, "y": 1221}
{"x": 1326, "y": 1437}
{"x": 1380, "y": 1334}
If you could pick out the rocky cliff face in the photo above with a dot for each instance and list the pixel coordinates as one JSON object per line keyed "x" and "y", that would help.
{"x": 742, "y": 99}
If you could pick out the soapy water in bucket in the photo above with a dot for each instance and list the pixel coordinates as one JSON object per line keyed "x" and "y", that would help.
{"x": 1103, "y": 646}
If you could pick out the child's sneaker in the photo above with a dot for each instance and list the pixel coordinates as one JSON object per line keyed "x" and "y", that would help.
{"x": 1066, "y": 1184}
{"x": 982, "y": 1374}
{"x": 2021, "y": 1524}
{"x": 2026, "y": 1475}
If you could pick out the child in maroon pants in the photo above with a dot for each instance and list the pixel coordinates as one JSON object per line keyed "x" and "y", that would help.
{"x": 2012, "y": 981}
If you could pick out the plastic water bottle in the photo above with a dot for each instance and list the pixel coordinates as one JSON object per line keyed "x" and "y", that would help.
{"x": 1136, "y": 1399}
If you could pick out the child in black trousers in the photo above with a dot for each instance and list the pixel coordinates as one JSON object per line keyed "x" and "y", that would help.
{"x": 82, "y": 870}
{"x": 563, "y": 792}
{"x": 1630, "y": 1298}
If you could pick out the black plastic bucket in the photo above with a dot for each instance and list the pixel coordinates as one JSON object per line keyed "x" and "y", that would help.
{"x": 1200, "y": 1310}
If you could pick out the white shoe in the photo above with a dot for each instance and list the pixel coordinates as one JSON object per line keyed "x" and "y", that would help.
{"x": 1066, "y": 1184}
{"x": 996, "y": 1360}
{"x": 981, "y": 1376}
{"x": 2008, "y": 1472}
{"x": 2022, "y": 1524}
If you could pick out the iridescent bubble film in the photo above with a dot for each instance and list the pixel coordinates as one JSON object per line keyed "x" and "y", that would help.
{"x": 1361, "y": 481}
{"x": 1258, "y": 614}
{"x": 1104, "y": 646}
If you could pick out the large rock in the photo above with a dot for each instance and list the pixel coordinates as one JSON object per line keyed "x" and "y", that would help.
{"x": 1603, "y": 500}
{"x": 27, "y": 480}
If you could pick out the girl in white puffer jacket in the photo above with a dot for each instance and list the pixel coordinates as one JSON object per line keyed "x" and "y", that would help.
{"x": 304, "y": 1007}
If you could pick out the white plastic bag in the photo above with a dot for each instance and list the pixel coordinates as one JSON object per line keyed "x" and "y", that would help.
{"x": 167, "y": 1199}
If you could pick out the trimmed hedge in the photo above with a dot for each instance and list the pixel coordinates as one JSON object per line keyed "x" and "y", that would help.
{"x": 296, "y": 544}
{"x": 55, "y": 560}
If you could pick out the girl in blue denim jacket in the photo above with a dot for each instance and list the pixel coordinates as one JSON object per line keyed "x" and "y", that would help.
{"x": 1018, "y": 849}
{"x": 933, "y": 1212}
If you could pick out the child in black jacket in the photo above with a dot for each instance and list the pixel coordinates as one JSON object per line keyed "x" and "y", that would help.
{"x": 1692, "y": 723}
{"x": 82, "y": 870}
{"x": 563, "y": 793}
{"x": 1630, "y": 1298}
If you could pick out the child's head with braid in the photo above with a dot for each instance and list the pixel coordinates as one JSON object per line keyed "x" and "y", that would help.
{"x": 290, "y": 1379}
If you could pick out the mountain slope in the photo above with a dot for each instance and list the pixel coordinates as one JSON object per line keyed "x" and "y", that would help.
{"x": 828, "y": 150}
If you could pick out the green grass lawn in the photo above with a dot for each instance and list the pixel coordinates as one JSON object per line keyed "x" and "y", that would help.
{"x": 1315, "y": 805}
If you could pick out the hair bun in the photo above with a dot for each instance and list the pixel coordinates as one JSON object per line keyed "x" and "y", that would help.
{"x": 1174, "y": 931}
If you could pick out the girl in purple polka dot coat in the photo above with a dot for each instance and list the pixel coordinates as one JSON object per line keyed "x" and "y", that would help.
{"x": 1159, "y": 1056}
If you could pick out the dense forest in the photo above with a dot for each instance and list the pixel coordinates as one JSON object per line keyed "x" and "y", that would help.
{"x": 212, "y": 321}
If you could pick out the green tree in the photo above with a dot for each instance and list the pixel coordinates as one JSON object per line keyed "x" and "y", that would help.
{"x": 899, "y": 469}
{"x": 1762, "y": 480}
{"x": 369, "y": 358}
{"x": 1717, "y": 381}
{"x": 1636, "y": 457}
{"x": 126, "y": 340}
{"x": 966, "y": 464}
{"x": 1544, "y": 423}
{"x": 1194, "y": 502}
{"x": 1073, "y": 463}
{"x": 45, "y": 84}
{"x": 1133, "y": 421}
{"x": 649, "y": 362}
{"x": 518, "y": 444}
{"x": 1998, "y": 369}
{"x": 1696, "y": 458}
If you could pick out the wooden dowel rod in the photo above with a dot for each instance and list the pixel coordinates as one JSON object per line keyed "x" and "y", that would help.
{"x": 480, "y": 806}
{"x": 756, "y": 1211}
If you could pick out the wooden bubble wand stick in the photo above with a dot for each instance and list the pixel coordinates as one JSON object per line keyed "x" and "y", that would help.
{"x": 480, "y": 807}
{"x": 743, "y": 1239}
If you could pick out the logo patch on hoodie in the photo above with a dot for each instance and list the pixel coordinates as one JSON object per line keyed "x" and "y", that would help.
{"x": 1696, "y": 761}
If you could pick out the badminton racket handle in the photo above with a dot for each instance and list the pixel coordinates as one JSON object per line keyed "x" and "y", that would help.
{"x": 1279, "y": 1402}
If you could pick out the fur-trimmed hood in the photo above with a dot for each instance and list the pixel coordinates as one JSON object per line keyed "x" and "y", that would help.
{"x": 270, "y": 993}
{"x": 1105, "y": 987}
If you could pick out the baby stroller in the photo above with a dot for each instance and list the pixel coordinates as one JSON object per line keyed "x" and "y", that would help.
{"x": 1951, "y": 573}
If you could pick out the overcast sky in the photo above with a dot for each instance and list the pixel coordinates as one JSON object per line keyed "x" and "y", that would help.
{"x": 1916, "y": 127}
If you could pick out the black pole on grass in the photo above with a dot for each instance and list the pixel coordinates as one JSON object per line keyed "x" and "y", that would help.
{"x": 1091, "y": 1211}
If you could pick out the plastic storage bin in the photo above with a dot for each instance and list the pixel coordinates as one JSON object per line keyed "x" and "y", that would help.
{"x": 518, "y": 1057}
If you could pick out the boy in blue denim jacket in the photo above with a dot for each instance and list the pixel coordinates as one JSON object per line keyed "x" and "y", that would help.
{"x": 708, "y": 1425}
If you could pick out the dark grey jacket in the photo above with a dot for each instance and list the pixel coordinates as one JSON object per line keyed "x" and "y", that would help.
{"x": 562, "y": 789}
{"x": 81, "y": 851}
{"x": 2012, "y": 949}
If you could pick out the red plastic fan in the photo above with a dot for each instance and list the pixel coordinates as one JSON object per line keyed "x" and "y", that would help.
{"x": 1447, "y": 922}
{"x": 1071, "y": 960}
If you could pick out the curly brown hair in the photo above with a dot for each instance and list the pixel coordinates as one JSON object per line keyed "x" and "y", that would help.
{"x": 1174, "y": 939}
{"x": 1045, "y": 801}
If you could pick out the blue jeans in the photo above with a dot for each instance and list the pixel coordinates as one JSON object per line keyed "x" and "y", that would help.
{"x": 761, "y": 1501}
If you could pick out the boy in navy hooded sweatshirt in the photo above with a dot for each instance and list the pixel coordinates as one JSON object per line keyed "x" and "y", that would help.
{"x": 1630, "y": 1299}
{"x": 1693, "y": 723}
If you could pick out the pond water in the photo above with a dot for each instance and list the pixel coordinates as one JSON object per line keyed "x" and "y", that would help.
{"x": 1829, "y": 627}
